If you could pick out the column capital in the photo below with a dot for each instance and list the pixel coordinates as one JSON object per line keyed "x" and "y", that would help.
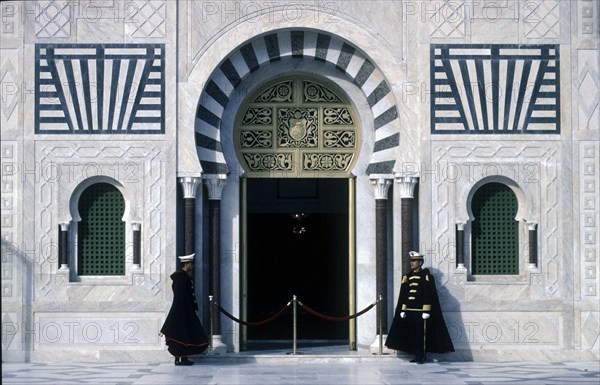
{"x": 64, "y": 226}
{"x": 215, "y": 183}
{"x": 382, "y": 186}
{"x": 407, "y": 185}
{"x": 531, "y": 226}
{"x": 136, "y": 226}
{"x": 460, "y": 225}
{"x": 190, "y": 185}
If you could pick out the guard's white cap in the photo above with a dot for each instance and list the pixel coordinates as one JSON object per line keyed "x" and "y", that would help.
{"x": 187, "y": 258}
{"x": 416, "y": 255}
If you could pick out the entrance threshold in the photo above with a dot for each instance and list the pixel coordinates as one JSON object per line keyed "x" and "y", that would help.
{"x": 307, "y": 351}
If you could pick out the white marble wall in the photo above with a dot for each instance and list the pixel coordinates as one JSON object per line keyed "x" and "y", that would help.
{"x": 532, "y": 311}
{"x": 549, "y": 313}
{"x": 52, "y": 314}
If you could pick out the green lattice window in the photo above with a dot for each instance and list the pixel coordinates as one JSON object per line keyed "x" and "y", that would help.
{"x": 101, "y": 232}
{"x": 495, "y": 235}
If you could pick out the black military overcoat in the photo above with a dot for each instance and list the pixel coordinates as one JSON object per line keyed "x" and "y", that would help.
{"x": 419, "y": 295}
{"x": 182, "y": 329}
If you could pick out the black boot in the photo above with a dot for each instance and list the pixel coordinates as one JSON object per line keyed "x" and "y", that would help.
{"x": 183, "y": 361}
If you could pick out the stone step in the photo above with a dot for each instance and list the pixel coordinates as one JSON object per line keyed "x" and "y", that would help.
{"x": 289, "y": 357}
{"x": 306, "y": 352}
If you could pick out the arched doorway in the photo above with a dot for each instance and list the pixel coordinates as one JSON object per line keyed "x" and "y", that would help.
{"x": 268, "y": 57}
{"x": 297, "y": 139}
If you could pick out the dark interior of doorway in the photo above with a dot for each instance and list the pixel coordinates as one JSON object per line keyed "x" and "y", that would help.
{"x": 297, "y": 245}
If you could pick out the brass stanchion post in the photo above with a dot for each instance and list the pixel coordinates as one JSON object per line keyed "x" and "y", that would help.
{"x": 210, "y": 312}
{"x": 295, "y": 303}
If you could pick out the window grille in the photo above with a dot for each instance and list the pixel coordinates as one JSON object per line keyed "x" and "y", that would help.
{"x": 495, "y": 231}
{"x": 101, "y": 234}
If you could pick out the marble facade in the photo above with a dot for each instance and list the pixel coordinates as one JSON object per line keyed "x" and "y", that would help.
{"x": 380, "y": 54}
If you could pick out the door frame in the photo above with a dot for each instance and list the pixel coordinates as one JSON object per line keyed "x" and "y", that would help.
{"x": 351, "y": 261}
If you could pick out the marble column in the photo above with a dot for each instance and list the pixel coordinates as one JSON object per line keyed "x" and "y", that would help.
{"x": 214, "y": 184}
{"x": 63, "y": 246}
{"x": 382, "y": 186}
{"x": 190, "y": 187}
{"x": 137, "y": 243}
{"x": 407, "y": 190}
{"x": 533, "y": 258}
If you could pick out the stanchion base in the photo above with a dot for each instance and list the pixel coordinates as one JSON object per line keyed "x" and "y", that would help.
{"x": 211, "y": 352}
{"x": 374, "y": 348}
{"x": 294, "y": 354}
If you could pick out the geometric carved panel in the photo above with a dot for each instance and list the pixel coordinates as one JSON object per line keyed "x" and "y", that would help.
{"x": 589, "y": 226}
{"x": 587, "y": 21}
{"x": 147, "y": 18}
{"x": 590, "y": 328}
{"x": 542, "y": 19}
{"x": 99, "y": 88}
{"x": 446, "y": 19}
{"x": 9, "y": 188}
{"x": 53, "y": 18}
{"x": 495, "y": 89}
{"x": 10, "y": 78}
{"x": 586, "y": 87}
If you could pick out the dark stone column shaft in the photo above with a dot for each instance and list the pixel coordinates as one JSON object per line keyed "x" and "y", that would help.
{"x": 533, "y": 247}
{"x": 189, "y": 226}
{"x": 214, "y": 208}
{"x": 63, "y": 247}
{"x": 460, "y": 246}
{"x": 137, "y": 243}
{"x": 381, "y": 259}
{"x": 406, "y": 209}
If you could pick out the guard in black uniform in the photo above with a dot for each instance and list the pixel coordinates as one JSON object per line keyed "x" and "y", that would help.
{"x": 418, "y": 326}
{"x": 182, "y": 329}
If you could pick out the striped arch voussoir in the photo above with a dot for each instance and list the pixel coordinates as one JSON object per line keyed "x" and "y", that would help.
{"x": 296, "y": 44}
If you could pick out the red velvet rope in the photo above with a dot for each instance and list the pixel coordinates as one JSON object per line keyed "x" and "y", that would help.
{"x": 254, "y": 323}
{"x": 330, "y": 318}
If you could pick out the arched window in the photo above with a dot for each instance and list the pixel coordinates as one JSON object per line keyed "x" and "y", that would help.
{"x": 495, "y": 232}
{"x": 101, "y": 232}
